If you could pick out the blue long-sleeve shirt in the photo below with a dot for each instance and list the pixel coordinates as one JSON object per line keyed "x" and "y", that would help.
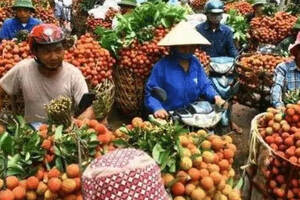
{"x": 221, "y": 40}
{"x": 181, "y": 87}
{"x": 12, "y": 26}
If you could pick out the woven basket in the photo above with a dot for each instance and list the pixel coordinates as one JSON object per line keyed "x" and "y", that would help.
{"x": 260, "y": 154}
{"x": 105, "y": 94}
{"x": 129, "y": 91}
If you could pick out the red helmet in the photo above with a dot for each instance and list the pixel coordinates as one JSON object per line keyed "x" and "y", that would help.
{"x": 45, "y": 34}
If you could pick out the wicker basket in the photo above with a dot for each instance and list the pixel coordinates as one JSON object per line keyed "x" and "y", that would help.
{"x": 260, "y": 154}
{"x": 129, "y": 92}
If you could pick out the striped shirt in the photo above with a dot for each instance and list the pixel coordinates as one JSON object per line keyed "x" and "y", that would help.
{"x": 286, "y": 77}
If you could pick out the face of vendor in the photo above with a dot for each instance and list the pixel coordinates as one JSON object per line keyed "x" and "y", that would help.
{"x": 23, "y": 14}
{"x": 214, "y": 18}
{"x": 188, "y": 49}
{"x": 51, "y": 56}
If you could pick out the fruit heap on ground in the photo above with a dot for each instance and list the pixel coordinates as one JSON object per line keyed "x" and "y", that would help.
{"x": 281, "y": 131}
{"x": 140, "y": 57}
{"x": 197, "y": 4}
{"x": 260, "y": 63}
{"x": 196, "y": 165}
{"x": 272, "y": 30}
{"x": 105, "y": 23}
{"x": 12, "y": 52}
{"x": 94, "y": 61}
{"x": 48, "y": 185}
{"x": 242, "y": 7}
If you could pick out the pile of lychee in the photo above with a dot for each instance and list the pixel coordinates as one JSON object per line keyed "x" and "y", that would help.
{"x": 205, "y": 168}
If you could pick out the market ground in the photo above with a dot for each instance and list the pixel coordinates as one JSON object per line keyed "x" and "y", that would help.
{"x": 242, "y": 116}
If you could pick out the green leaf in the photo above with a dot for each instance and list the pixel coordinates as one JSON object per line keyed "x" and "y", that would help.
{"x": 27, "y": 156}
{"x": 230, "y": 182}
{"x": 13, "y": 161}
{"x": 59, "y": 164}
{"x": 157, "y": 150}
{"x": 6, "y": 144}
{"x": 172, "y": 165}
{"x": 58, "y": 132}
{"x": 239, "y": 184}
{"x": 120, "y": 143}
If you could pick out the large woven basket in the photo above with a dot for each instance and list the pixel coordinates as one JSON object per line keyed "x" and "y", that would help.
{"x": 129, "y": 92}
{"x": 260, "y": 154}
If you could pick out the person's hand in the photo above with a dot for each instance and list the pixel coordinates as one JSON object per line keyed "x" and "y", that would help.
{"x": 162, "y": 114}
{"x": 221, "y": 103}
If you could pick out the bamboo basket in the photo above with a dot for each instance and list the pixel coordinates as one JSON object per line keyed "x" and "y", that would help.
{"x": 260, "y": 155}
{"x": 129, "y": 92}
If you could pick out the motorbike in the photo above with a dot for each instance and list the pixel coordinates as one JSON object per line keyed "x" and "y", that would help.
{"x": 202, "y": 113}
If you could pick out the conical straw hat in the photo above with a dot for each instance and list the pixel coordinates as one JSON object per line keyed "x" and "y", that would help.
{"x": 183, "y": 34}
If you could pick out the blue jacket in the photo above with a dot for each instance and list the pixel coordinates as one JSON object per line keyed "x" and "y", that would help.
{"x": 181, "y": 87}
{"x": 221, "y": 40}
{"x": 12, "y": 26}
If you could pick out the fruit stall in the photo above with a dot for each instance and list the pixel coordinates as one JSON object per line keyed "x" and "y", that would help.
{"x": 116, "y": 61}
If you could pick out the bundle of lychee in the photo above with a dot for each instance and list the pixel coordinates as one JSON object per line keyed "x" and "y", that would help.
{"x": 105, "y": 23}
{"x": 140, "y": 57}
{"x": 12, "y": 53}
{"x": 272, "y": 30}
{"x": 281, "y": 131}
{"x": 5, "y": 13}
{"x": 52, "y": 184}
{"x": 103, "y": 137}
{"x": 262, "y": 62}
{"x": 197, "y": 4}
{"x": 46, "y": 15}
{"x": 257, "y": 68}
{"x": 242, "y": 7}
{"x": 203, "y": 57}
{"x": 205, "y": 168}
{"x": 94, "y": 61}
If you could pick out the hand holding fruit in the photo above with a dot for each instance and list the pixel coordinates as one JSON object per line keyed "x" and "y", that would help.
{"x": 161, "y": 113}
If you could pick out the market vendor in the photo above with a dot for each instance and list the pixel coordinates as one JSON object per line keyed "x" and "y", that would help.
{"x": 45, "y": 76}
{"x": 180, "y": 74}
{"x": 287, "y": 76}
{"x": 283, "y": 46}
{"x": 219, "y": 35}
{"x": 22, "y": 21}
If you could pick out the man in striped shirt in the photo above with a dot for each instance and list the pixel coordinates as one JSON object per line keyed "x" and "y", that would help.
{"x": 287, "y": 76}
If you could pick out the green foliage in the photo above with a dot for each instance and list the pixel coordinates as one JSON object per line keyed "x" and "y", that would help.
{"x": 293, "y": 9}
{"x": 20, "y": 148}
{"x": 139, "y": 24}
{"x": 239, "y": 25}
{"x": 270, "y": 9}
{"x": 162, "y": 143}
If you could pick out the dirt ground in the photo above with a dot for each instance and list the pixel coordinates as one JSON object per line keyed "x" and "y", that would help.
{"x": 242, "y": 116}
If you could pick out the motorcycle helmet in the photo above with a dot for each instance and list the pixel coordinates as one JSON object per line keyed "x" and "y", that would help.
{"x": 45, "y": 34}
{"x": 214, "y": 6}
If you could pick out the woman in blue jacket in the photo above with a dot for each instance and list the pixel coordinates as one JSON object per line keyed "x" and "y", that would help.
{"x": 180, "y": 74}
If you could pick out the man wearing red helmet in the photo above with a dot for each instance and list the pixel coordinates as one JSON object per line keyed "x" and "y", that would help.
{"x": 46, "y": 76}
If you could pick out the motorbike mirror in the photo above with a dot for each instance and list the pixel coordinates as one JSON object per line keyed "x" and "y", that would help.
{"x": 159, "y": 93}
